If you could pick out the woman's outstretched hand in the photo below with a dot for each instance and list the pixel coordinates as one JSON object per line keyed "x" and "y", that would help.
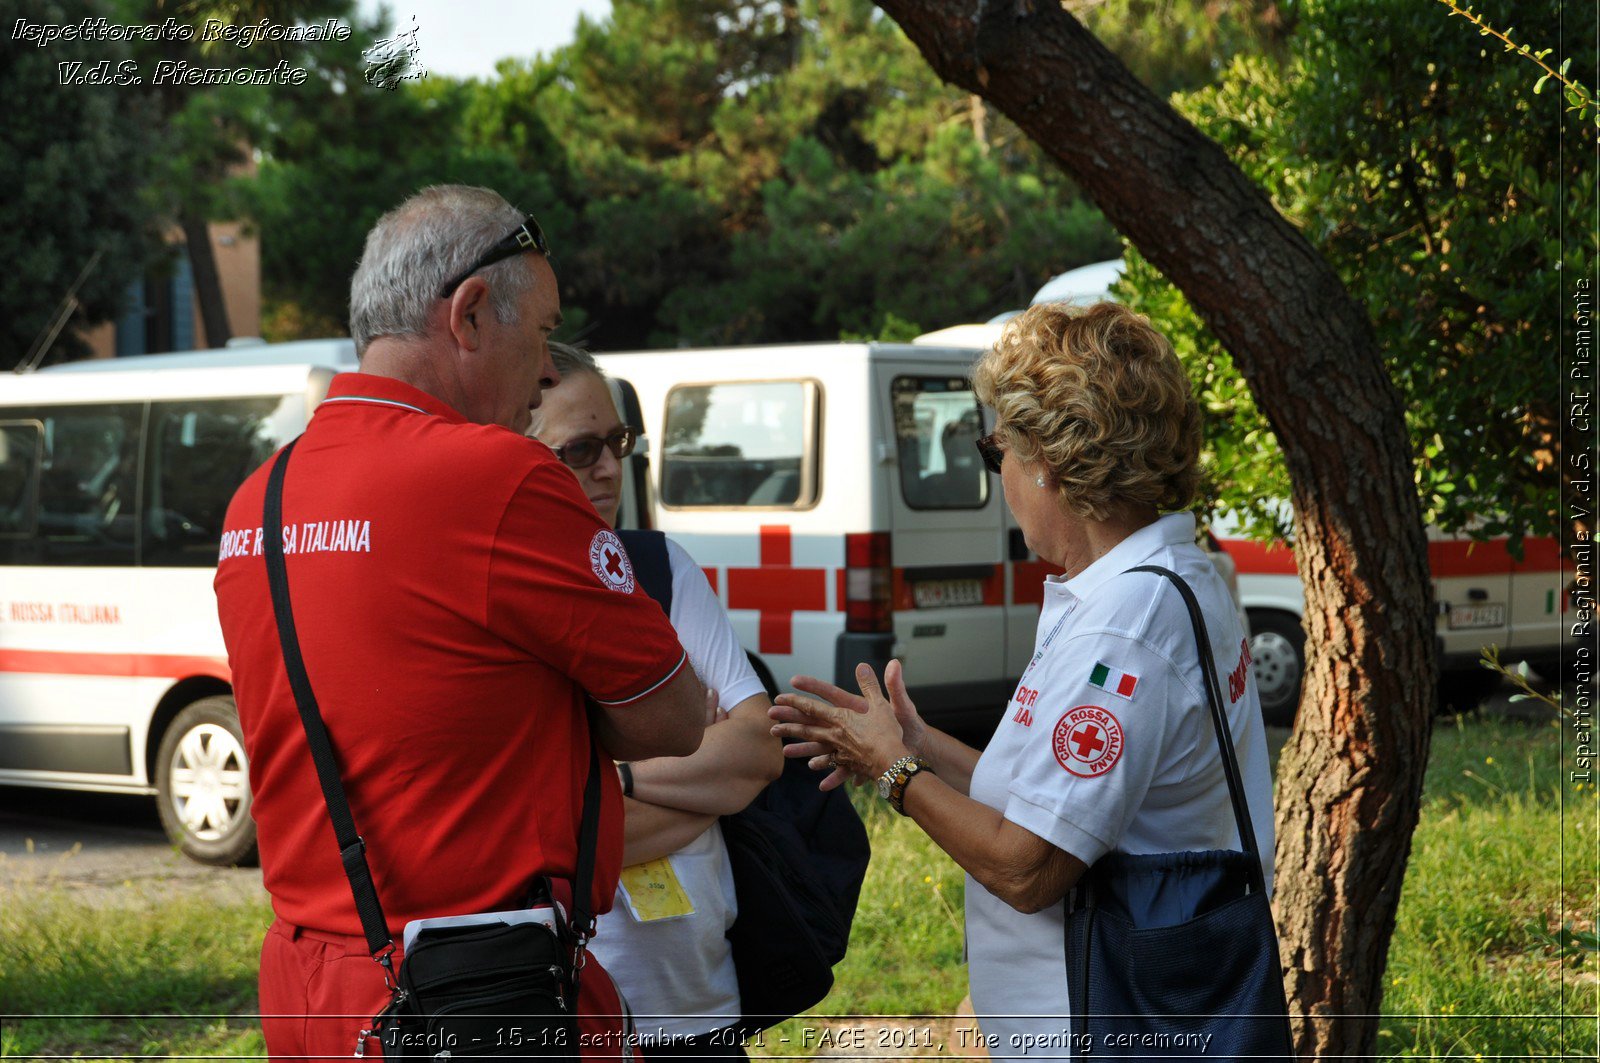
{"x": 857, "y": 736}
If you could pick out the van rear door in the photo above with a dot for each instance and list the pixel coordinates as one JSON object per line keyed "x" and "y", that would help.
{"x": 1472, "y": 590}
{"x": 946, "y": 525}
{"x": 1538, "y": 583}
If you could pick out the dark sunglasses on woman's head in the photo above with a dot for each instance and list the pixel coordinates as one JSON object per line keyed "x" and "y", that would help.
{"x": 992, "y": 453}
{"x": 585, "y": 451}
{"x": 525, "y": 237}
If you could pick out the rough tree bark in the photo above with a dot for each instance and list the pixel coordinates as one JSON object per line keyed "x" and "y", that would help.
{"x": 1349, "y": 782}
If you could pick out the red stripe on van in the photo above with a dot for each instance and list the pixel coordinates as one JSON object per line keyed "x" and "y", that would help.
{"x": 1493, "y": 557}
{"x": 711, "y": 578}
{"x": 1027, "y": 581}
{"x": 900, "y": 592}
{"x": 126, "y": 665}
{"x": 1449, "y": 557}
{"x": 994, "y": 588}
{"x": 1260, "y": 559}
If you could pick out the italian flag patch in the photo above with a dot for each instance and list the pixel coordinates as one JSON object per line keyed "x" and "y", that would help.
{"x": 1109, "y": 679}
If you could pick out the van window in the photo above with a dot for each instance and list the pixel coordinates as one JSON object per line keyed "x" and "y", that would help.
{"x": 82, "y": 509}
{"x": 937, "y": 422}
{"x": 201, "y": 450}
{"x": 740, "y": 444}
{"x": 21, "y": 445}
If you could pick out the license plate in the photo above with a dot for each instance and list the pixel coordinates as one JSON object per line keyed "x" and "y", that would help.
{"x": 938, "y": 593}
{"x": 1469, "y": 616}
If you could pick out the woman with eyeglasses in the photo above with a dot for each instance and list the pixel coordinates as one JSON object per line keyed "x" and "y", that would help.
{"x": 1107, "y": 745}
{"x": 664, "y": 941}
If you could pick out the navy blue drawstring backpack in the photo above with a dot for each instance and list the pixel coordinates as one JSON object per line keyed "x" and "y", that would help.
{"x": 1175, "y": 955}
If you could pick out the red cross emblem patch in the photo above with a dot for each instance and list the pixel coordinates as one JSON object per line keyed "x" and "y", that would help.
{"x": 1088, "y": 741}
{"x": 610, "y": 561}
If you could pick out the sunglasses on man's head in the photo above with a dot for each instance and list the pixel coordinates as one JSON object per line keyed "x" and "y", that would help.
{"x": 992, "y": 453}
{"x": 525, "y": 237}
{"x": 585, "y": 451}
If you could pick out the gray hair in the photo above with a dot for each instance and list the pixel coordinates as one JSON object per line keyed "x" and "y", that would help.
{"x": 569, "y": 359}
{"x": 427, "y": 240}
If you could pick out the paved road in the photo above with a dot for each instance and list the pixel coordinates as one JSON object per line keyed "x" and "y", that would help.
{"x": 99, "y": 846}
{"x": 102, "y": 846}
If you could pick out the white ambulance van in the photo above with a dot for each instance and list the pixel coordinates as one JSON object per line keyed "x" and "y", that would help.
{"x": 114, "y": 479}
{"x": 1485, "y": 596}
{"x": 835, "y": 498}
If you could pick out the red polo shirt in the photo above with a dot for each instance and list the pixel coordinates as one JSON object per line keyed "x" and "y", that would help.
{"x": 456, "y": 596}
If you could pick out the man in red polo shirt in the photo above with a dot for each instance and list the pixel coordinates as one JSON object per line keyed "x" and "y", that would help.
{"x": 456, "y": 599}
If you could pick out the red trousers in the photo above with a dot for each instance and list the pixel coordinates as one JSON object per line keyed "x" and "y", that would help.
{"x": 319, "y": 991}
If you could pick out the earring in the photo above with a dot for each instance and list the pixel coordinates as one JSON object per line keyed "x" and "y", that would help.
{"x": 1040, "y": 480}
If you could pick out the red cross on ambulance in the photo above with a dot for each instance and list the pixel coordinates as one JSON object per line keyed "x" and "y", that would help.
{"x": 777, "y": 589}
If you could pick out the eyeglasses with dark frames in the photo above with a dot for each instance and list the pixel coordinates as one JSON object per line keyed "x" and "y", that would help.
{"x": 584, "y": 451}
{"x": 525, "y": 237}
{"x": 992, "y": 453}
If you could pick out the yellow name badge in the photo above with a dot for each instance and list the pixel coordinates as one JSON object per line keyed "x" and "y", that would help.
{"x": 654, "y": 893}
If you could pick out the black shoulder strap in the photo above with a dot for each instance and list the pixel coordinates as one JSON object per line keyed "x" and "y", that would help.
{"x": 583, "y": 917}
{"x": 1219, "y": 721}
{"x": 352, "y": 849}
{"x": 647, "y": 550}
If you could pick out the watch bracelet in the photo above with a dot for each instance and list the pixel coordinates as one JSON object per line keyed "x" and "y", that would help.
{"x": 897, "y": 789}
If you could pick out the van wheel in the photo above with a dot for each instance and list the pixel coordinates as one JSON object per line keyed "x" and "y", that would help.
{"x": 1278, "y": 647}
{"x": 203, "y": 785}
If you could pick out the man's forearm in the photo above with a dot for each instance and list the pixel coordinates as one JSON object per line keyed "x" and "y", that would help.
{"x": 650, "y": 832}
{"x": 666, "y": 723}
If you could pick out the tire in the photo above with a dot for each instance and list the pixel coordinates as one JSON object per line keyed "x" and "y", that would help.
{"x": 1278, "y": 647}
{"x": 203, "y": 785}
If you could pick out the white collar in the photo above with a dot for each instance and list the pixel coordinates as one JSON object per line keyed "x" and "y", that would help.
{"x": 1174, "y": 529}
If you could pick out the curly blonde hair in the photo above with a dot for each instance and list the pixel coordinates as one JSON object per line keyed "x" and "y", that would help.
{"x": 1097, "y": 396}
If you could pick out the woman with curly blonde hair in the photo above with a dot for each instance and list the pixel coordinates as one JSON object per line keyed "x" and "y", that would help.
{"x": 1108, "y": 743}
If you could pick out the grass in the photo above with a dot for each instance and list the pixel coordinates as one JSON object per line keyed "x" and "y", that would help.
{"x": 1504, "y": 842}
{"x": 168, "y": 975}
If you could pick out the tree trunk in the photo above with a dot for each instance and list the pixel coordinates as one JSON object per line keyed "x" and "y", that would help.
{"x": 207, "y": 284}
{"x": 1350, "y": 780}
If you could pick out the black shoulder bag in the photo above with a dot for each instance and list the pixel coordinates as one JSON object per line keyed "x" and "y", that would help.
{"x": 798, "y": 855}
{"x": 1175, "y": 955}
{"x": 490, "y": 989}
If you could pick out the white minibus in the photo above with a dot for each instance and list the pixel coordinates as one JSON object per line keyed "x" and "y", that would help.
{"x": 114, "y": 478}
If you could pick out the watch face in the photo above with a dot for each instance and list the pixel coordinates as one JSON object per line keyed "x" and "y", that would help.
{"x": 884, "y": 782}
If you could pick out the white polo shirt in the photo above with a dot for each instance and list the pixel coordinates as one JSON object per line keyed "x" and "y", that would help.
{"x": 1108, "y": 745}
